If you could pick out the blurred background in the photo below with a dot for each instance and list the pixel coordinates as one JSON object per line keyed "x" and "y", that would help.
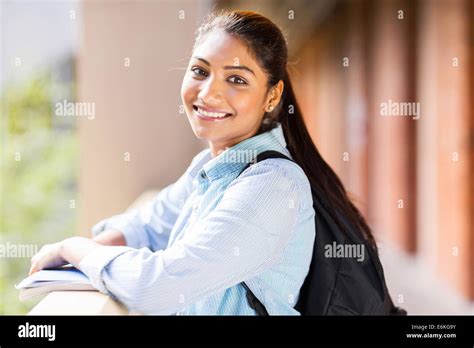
{"x": 409, "y": 170}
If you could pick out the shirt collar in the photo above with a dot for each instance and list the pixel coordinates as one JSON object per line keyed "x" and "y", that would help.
{"x": 233, "y": 160}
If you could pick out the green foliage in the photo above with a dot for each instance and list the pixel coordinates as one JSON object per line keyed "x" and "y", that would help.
{"x": 38, "y": 177}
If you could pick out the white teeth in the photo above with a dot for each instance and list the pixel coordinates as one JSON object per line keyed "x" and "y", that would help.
{"x": 211, "y": 114}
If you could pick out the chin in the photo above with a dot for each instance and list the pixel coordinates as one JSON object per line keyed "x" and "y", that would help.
{"x": 202, "y": 133}
{"x": 208, "y": 135}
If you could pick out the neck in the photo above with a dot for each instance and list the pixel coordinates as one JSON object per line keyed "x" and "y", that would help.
{"x": 217, "y": 149}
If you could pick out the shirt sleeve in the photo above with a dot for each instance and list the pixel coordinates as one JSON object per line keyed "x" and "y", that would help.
{"x": 244, "y": 235}
{"x": 150, "y": 225}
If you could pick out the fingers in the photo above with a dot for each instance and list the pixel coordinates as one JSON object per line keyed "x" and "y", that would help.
{"x": 35, "y": 266}
{"x": 49, "y": 256}
{"x": 33, "y": 269}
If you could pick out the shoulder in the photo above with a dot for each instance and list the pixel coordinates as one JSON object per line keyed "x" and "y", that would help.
{"x": 280, "y": 176}
{"x": 280, "y": 168}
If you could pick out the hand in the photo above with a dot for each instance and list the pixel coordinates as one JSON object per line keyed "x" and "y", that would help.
{"x": 49, "y": 256}
{"x": 110, "y": 237}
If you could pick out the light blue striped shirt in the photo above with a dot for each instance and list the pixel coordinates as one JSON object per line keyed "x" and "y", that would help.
{"x": 189, "y": 249}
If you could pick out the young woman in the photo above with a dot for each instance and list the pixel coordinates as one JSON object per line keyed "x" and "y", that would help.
{"x": 188, "y": 250}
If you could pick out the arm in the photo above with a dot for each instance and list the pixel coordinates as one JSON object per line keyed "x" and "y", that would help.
{"x": 137, "y": 233}
{"x": 244, "y": 235}
{"x": 147, "y": 226}
{"x": 150, "y": 225}
{"x": 111, "y": 238}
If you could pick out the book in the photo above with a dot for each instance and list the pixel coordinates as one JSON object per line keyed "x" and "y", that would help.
{"x": 65, "y": 278}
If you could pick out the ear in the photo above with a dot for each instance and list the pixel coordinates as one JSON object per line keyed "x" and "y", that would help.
{"x": 274, "y": 96}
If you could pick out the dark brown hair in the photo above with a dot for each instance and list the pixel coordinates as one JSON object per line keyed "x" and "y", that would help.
{"x": 268, "y": 46}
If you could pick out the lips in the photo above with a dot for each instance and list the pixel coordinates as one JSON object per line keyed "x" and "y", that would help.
{"x": 210, "y": 114}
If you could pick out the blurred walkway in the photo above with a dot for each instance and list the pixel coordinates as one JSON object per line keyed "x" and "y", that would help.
{"x": 408, "y": 280}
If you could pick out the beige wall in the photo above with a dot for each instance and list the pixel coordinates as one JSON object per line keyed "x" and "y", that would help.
{"x": 137, "y": 107}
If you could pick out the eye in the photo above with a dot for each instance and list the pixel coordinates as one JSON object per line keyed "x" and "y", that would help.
{"x": 237, "y": 80}
{"x": 198, "y": 71}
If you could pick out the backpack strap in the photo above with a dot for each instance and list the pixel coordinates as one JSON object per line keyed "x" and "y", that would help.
{"x": 253, "y": 301}
{"x": 265, "y": 155}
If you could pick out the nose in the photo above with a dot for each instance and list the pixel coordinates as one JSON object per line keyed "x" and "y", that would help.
{"x": 210, "y": 92}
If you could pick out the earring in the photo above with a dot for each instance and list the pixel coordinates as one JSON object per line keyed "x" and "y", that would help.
{"x": 270, "y": 108}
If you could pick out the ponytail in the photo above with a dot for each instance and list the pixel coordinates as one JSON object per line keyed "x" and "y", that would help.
{"x": 322, "y": 178}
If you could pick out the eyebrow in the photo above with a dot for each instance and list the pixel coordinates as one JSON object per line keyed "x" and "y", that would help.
{"x": 228, "y": 67}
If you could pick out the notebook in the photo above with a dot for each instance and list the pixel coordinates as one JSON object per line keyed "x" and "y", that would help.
{"x": 66, "y": 278}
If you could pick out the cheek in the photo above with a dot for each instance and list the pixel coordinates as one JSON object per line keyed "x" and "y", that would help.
{"x": 188, "y": 91}
{"x": 245, "y": 103}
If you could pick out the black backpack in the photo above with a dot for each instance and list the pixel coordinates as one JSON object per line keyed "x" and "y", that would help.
{"x": 337, "y": 285}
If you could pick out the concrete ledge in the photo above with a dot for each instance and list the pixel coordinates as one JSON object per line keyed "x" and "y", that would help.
{"x": 78, "y": 303}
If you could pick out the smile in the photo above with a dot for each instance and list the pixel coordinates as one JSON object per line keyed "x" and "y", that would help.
{"x": 210, "y": 115}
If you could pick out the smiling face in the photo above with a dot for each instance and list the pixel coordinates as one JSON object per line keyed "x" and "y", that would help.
{"x": 224, "y": 91}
